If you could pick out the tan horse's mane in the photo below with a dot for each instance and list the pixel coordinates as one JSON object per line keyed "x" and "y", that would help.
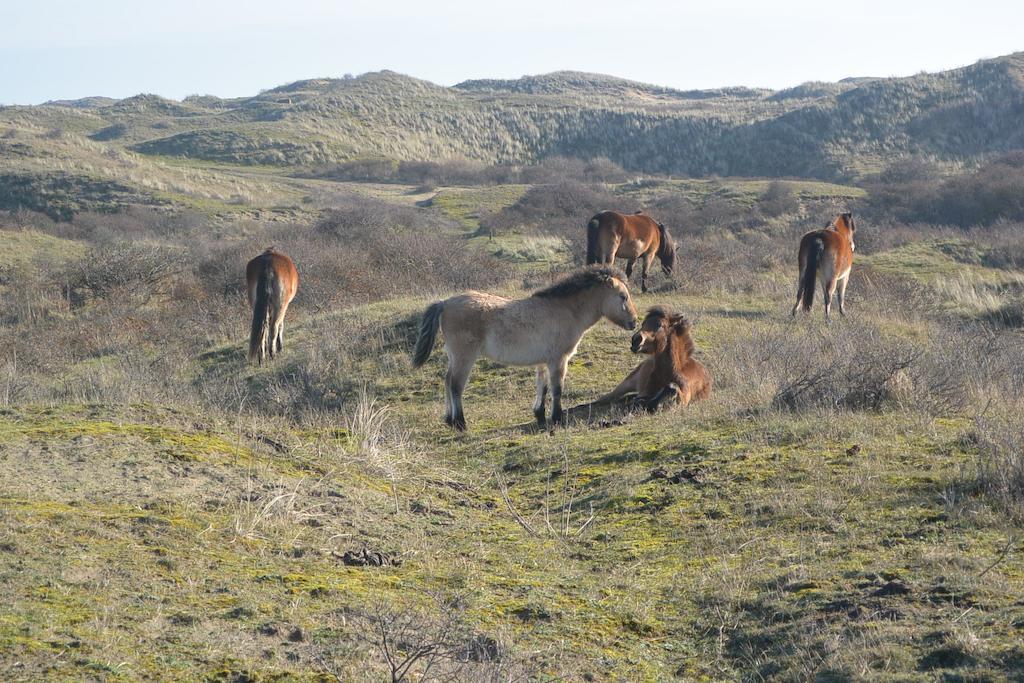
{"x": 580, "y": 281}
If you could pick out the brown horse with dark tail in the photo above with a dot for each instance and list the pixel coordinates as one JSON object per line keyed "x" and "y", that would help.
{"x": 271, "y": 281}
{"x": 826, "y": 255}
{"x": 612, "y": 235}
{"x": 670, "y": 371}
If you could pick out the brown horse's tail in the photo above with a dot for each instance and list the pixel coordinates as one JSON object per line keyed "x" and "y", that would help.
{"x": 428, "y": 333}
{"x": 807, "y": 278}
{"x": 259, "y": 335}
{"x": 666, "y": 250}
{"x": 593, "y": 239}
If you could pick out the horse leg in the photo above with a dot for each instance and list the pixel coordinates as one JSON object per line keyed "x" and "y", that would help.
{"x": 542, "y": 393}
{"x": 841, "y": 291}
{"x": 458, "y": 375}
{"x": 629, "y": 267}
{"x": 666, "y": 394}
{"x": 279, "y": 337}
{"x": 556, "y": 377}
{"x": 274, "y": 322}
{"x": 449, "y": 412}
{"x": 611, "y": 254}
{"x": 828, "y": 289}
{"x": 648, "y": 257}
{"x": 630, "y": 385}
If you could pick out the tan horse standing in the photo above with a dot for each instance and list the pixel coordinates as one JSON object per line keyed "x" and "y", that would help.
{"x": 272, "y": 282}
{"x": 612, "y": 235}
{"x": 670, "y": 370}
{"x": 826, "y": 255}
{"x": 541, "y": 330}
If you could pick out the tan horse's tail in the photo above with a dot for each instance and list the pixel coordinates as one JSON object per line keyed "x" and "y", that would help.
{"x": 809, "y": 276}
{"x": 259, "y": 335}
{"x": 593, "y": 239}
{"x": 428, "y": 333}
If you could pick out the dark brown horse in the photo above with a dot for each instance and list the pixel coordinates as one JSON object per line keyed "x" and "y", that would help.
{"x": 826, "y": 255}
{"x": 669, "y": 371}
{"x": 612, "y": 235}
{"x": 272, "y": 282}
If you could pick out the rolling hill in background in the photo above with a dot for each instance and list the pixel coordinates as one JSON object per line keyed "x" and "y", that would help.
{"x": 833, "y": 131}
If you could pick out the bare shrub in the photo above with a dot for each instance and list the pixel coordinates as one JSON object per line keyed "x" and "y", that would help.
{"x": 778, "y": 199}
{"x": 140, "y": 271}
{"x": 854, "y": 367}
{"x": 434, "y": 641}
{"x": 984, "y": 196}
{"x": 855, "y": 371}
{"x": 1003, "y": 246}
{"x": 561, "y": 512}
{"x": 1001, "y": 458}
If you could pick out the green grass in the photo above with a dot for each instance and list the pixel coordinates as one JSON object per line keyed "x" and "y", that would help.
{"x": 26, "y": 247}
{"x": 193, "y": 542}
{"x": 767, "y": 564}
{"x": 468, "y": 204}
{"x": 739, "y": 190}
{"x": 953, "y": 269}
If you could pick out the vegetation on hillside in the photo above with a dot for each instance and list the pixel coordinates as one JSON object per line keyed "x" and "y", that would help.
{"x": 846, "y": 505}
{"x": 829, "y": 131}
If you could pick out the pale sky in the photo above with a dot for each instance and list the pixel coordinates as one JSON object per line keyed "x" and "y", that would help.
{"x": 64, "y": 49}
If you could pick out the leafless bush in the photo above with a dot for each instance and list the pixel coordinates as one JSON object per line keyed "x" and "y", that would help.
{"x": 561, "y": 513}
{"x": 140, "y": 271}
{"x": 983, "y": 196}
{"x": 853, "y": 366}
{"x": 371, "y": 251}
{"x": 1001, "y": 458}
{"x": 1002, "y": 243}
{"x": 861, "y": 370}
{"x": 778, "y": 199}
{"x": 434, "y": 641}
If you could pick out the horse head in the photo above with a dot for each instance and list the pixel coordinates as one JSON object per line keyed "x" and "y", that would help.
{"x": 666, "y": 250}
{"x": 618, "y": 304}
{"x": 845, "y": 220}
{"x": 659, "y": 325}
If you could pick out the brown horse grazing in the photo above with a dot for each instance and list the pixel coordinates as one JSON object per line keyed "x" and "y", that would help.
{"x": 670, "y": 369}
{"x": 541, "y": 330}
{"x": 826, "y": 255}
{"x": 272, "y": 282}
{"x": 612, "y": 235}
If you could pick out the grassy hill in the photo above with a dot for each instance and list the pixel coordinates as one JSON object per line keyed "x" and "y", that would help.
{"x": 846, "y": 506}
{"x": 834, "y": 511}
{"x": 828, "y": 131}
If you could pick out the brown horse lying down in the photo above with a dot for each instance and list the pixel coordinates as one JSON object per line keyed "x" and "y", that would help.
{"x": 670, "y": 371}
